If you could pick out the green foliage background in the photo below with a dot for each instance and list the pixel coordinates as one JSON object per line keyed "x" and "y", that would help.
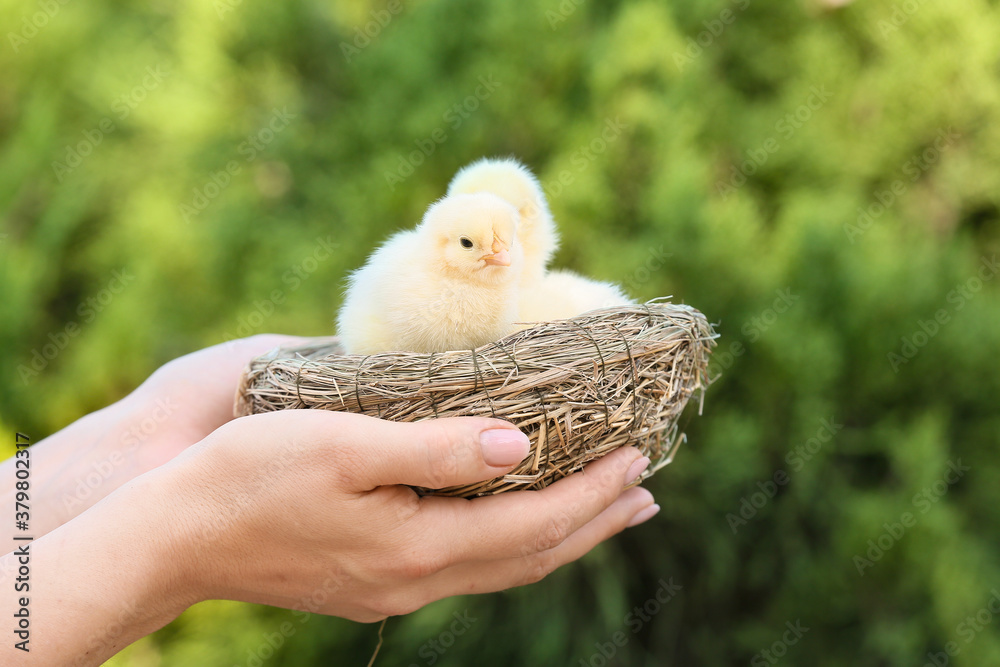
{"x": 894, "y": 75}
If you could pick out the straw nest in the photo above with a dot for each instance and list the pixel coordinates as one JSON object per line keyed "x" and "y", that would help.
{"x": 578, "y": 388}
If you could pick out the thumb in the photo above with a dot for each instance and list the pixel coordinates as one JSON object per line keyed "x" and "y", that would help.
{"x": 434, "y": 453}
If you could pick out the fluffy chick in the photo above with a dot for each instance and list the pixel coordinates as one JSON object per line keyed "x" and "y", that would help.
{"x": 564, "y": 294}
{"x": 511, "y": 180}
{"x": 451, "y": 283}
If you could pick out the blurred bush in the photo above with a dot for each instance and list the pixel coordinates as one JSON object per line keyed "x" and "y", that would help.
{"x": 819, "y": 179}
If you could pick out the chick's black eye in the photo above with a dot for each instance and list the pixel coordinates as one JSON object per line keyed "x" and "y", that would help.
{"x": 466, "y": 242}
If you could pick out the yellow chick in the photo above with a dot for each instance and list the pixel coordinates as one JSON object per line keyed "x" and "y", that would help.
{"x": 564, "y": 294}
{"x": 514, "y": 182}
{"x": 544, "y": 295}
{"x": 449, "y": 284}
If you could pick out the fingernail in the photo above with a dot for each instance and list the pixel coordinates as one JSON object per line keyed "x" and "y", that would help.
{"x": 645, "y": 514}
{"x": 503, "y": 446}
{"x": 637, "y": 468}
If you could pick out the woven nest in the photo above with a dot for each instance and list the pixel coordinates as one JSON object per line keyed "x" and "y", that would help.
{"x": 578, "y": 388}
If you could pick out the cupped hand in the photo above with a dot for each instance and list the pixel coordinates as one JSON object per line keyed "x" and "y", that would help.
{"x": 177, "y": 406}
{"x": 313, "y": 510}
{"x": 191, "y": 396}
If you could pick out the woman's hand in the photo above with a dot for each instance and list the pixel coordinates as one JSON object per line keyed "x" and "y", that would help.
{"x": 301, "y": 509}
{"x": 188, "y": 398}
{"x": 308, "y": 510}
{"x": 177, "y": 406}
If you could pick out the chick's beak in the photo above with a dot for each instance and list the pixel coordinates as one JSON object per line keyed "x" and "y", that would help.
{"x": 500, "y": 256}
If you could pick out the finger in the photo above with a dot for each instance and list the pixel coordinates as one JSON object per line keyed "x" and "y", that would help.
{"x": 535, "y": 567}
{"x": 524, "y": 522}
{"x": 434, "y": 453}
{"x": 497, "y": 575}
{"x": 197, "y": 390}
{"x": 218, "y": 366}
{"x": 226, "y": 361}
